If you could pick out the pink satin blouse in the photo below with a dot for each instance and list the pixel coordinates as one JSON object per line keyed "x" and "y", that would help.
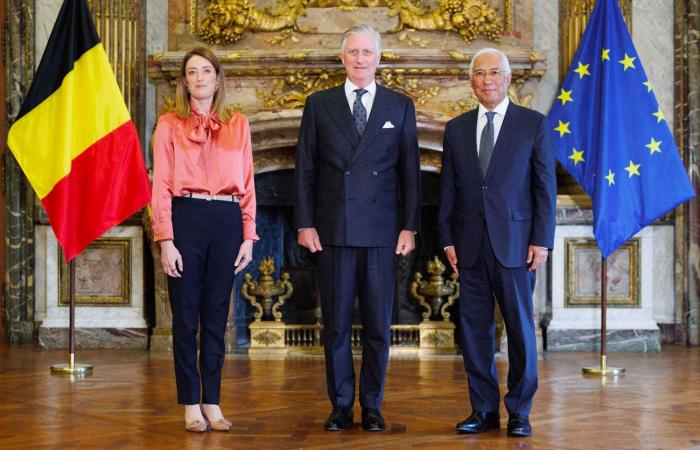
{"x": 200, "y": 154}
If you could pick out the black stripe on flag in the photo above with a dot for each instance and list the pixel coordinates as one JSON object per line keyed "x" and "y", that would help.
{"x": 73, "y": 34}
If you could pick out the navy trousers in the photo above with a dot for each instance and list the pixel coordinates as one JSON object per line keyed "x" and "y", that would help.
{"x": 344, "y": 273}
{"x": 512, "y": 289}
{"x": 208, "y": 235}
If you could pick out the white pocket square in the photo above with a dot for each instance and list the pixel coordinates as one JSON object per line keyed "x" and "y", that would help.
{"x": 388, "y": 124}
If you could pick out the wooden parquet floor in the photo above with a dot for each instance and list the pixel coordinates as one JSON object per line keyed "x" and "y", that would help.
{"x": 129, "y": 402}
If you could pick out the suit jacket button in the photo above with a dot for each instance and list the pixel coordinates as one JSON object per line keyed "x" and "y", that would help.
{"x": 484, "y": 188}
{"x": 347, "y": 172}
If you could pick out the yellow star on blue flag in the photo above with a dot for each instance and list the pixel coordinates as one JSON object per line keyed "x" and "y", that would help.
{"x": 615, "y": 116}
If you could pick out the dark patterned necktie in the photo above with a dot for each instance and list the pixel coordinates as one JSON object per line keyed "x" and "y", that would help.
{"x": 486, "y": 144}
{"x": 359, "y": 113}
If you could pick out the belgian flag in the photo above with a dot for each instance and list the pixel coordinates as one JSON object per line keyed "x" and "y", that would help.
{"x": 74, "y": 138}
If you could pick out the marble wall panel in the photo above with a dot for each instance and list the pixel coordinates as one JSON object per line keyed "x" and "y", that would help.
{"x": 546, "y": 42}
{"x": 45, "y": 17}
{"x": 156, "y": 42}
{"x": 652, "y": 33}
{"x": 95, "y": 324}
{"x": 656, "y": 286}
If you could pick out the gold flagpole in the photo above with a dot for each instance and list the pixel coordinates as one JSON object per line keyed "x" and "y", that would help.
{"x": 71, "y": 368}
{"x": 603, "y": 368}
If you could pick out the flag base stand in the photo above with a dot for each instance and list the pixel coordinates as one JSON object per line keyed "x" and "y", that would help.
{"x": 603, "y": 369}
{"x": 71, "y": 368}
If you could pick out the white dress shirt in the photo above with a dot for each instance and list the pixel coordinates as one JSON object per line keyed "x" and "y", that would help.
{"x": 367, "y": 99}
{"x": 481, "y": 121}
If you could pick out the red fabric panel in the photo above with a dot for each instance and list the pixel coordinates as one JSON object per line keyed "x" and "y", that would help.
{"x": 107, "y": 184}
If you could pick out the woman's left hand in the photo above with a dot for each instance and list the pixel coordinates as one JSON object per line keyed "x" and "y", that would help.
{"x": 245, "y": 255}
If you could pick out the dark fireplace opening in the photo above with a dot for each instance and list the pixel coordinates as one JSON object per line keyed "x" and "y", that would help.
{"x": 278, "y": 239}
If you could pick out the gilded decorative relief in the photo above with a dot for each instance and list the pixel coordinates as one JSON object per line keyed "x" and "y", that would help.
{"x": 290, "y": 91}
{"x": 227, "y": 20}
{"x": 469, "y": 18}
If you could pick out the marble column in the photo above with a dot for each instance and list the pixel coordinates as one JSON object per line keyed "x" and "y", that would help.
{"x": 19, "y": 197}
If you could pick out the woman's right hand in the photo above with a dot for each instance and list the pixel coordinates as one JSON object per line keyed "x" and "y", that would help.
{"x": 171, "y": 259}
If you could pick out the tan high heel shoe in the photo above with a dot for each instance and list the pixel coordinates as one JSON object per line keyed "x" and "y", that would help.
{"x": 221, "y": 424}
{"x": 197, "y": 426}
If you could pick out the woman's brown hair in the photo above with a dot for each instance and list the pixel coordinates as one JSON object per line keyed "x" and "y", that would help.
{"x": 182, "y": 97}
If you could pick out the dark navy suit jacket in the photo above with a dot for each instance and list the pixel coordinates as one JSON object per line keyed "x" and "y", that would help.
{"x": 515, "y": 201}
{"x": 358, "y": 192}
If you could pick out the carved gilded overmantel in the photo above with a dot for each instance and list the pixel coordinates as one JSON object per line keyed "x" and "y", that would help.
{"x": 225, "y": 21}
{"x": 271, "y": 86}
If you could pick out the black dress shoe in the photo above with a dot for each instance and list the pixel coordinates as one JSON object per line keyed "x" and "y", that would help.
{"x": 340, "y": 419}
{"x": 479, "y": 421}
{"x": 519, "y": 426}
{"x": 372, "y": 420}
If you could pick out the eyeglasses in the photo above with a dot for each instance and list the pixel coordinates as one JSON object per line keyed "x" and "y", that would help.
{"x": 495, "y": 74}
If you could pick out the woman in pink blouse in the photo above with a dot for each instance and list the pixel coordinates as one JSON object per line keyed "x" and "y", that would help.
{"x": 204, "y": 218}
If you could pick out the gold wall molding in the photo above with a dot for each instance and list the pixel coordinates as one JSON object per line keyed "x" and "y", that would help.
{"x": 226, "y": 21}
{"x": 573, "y": 18}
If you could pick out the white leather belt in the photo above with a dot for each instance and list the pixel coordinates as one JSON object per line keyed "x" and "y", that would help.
{"x": 207, "y": 197}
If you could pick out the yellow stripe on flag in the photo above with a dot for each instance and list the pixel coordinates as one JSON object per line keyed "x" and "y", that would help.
{"x": 86, "y": 107}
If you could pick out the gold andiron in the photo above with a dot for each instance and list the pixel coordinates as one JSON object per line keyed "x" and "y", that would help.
{"x": 436, "y": 295}
{"x": 267, "y": 330}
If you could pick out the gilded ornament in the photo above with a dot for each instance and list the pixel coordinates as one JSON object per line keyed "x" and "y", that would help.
{"x": 267, "y": 288}
{"x": 464, "y": 104}
{"x": 298, "y": 56}
{"x": 231, "y": 57}
{"x": 395, "y": 79}
{"x": 457, "y": 56}
{"x": 234, "y": 107}
{"x": 469, "y": 18}
{"x": 391, "y": 56}
{"x": 435, "y": 289}
{"x": 169, "y": 104}
{"x": 227, "y": 20}
{"x": 282, "y": 38}
{"x": 437, "y": 338}
{"x": 266, "y": 338}
{"x": 405, "y": 36}
{"x": 291, "y": 91}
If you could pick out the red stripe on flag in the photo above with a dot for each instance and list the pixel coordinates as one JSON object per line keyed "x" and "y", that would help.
{"x": 107, "y": 184}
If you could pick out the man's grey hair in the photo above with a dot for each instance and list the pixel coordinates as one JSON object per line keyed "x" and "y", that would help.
{"x": 490, "y": 51}
{"x": 361, "y": 29}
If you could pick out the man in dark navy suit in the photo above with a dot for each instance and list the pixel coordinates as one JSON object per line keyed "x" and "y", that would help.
{"x": 358, "y": 187}
{"x": 496, "y": 223}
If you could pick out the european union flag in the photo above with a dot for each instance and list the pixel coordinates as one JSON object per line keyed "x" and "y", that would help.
{"x": 611, "y": 135}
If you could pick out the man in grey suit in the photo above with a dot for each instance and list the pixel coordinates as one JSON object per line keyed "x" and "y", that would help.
{"x": 358, "y": 188}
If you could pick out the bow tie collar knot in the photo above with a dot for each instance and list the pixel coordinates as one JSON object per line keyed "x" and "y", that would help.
{"x": 204, "y": 125}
